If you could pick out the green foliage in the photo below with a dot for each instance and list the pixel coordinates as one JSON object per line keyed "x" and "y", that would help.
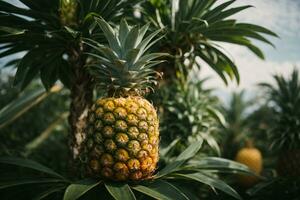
{"x": 123, "y": 66}
{"x": 235, "y": 112}
{"x": 276, "y": 188}
{"x": 194, "y": 28}
{"x": 237, "y": 127}
{"x": 247, "y": 118}
{"x": 40, "y": 132}
{"x": 48, "y": 43}
{"x": 44, "y": 182}
{"x": 78, "y": 189}
{"x": 285, "y": 96}
{"x": 260, "y": 122}
{"x": 20, "y": 105}
{"x": 7, "y": 91}
{"x": 190, "y": 113}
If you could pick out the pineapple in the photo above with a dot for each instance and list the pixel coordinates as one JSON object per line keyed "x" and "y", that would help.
{"x": 68, "y": 12}
{"x": 123, "y": 132}
{"x": 285, "y": 135}
{"x": 252, "y": 158}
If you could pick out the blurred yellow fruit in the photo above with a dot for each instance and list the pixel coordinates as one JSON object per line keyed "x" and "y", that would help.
{"x": 251, "y": 157}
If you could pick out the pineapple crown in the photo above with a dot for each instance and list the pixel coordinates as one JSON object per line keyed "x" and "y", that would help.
{"x": 123, "y": 68}
{"x": 286, "y": 98}
{"x": 68, "y": 12}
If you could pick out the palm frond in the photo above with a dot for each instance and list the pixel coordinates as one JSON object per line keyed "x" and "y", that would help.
{"x": 38, "y": 28}
{"x": 199, "y": 25}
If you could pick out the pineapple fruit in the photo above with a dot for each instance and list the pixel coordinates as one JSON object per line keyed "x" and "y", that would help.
{"x": 123, "y": 140}
{"x": 123, "y": 127}
{"x": 251, "y": 157}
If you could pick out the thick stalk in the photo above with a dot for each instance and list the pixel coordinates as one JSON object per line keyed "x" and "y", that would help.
{"x": 81, "y": 99}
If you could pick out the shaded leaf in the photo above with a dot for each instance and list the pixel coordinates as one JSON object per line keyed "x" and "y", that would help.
{"x": 49, "y": 192}
{"x": 213, "y": 182}
{"x": 164, "y": 188}
{"x": 22, "y": 104}
{"x": 21, "y": 162}
{"x": 120, "y": 191}
{"x": 150, "y": 192}
{"x": 26, "y": 181}
{"x": 76, "y": 190}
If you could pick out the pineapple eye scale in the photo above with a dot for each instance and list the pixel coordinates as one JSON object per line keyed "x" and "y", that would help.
{"x": 109, "y": 118}
{"x": 122, "y": 136}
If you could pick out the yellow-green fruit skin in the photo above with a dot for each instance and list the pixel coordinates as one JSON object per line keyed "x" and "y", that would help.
{"x": 252, "y": 158}
{"x": 122, "y": 139}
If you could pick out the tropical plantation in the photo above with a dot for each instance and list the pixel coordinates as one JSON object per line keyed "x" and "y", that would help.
{"x": 102, "y": 99}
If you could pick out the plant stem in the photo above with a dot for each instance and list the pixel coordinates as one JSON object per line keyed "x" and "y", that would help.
{"x": 81, "y": 100}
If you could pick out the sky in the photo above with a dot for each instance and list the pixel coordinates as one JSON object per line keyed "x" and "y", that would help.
{"x": 280, "y": 16}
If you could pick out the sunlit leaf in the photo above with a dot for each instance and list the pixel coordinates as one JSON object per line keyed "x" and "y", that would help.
{"x": 181, "y": 159}
{"x": 190, "y": 151}
{"x": 166, "y": 150}
{"x": 215, "y": 162}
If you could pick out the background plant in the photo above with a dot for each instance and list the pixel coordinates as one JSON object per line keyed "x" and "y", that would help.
{"x": 186, "y": 118}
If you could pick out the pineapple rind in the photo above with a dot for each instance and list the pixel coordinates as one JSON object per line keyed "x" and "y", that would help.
{"x": 122, "y": 142}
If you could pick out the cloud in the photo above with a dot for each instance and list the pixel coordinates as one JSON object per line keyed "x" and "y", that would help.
{"x": 252, "y": 70}
{"x": 281, "y": 16}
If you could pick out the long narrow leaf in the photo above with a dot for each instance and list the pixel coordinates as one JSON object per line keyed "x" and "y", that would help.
{"x": 150, "y": 192}
{"x": 22, "y": 104}
{"x": 27, "y": 181}
{"x": 48, "y": 192}
{"x": 212, "y": 182}
{"x": 164, "y": 188}
{"x": 21, "y": 162}
{"x": 164, "y": 151}
{"x": 120, "y": 191}
{"x": 76, "y": 190}
{"x": 190, "y": 151}
{"x": 181, "y": 159}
